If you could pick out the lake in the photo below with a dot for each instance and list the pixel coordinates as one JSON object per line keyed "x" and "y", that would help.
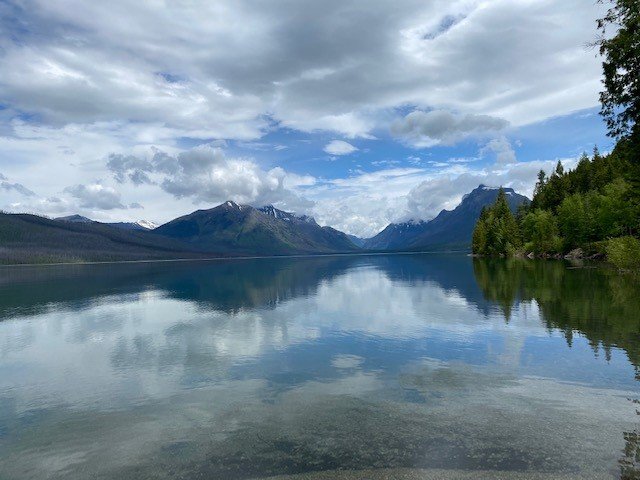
{"x": 390, "y": 366}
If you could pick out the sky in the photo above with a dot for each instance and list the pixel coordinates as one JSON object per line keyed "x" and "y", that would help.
{"x": 358, "y": 113}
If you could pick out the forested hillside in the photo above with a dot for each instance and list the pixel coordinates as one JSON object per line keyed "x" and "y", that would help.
{"x": 595, "y": 207}
{"x": 33, "y": 239}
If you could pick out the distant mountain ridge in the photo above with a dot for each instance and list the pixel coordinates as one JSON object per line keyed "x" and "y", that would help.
{"x": 28, "y": 238}
{"x": 244, "y": 229}
{"x": 138, "y": 225}
{"x": 450, "y": 229}
{"x": 75, "y": 219}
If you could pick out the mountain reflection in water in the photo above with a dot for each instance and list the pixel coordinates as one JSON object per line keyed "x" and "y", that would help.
{"x": 251, "y": 368}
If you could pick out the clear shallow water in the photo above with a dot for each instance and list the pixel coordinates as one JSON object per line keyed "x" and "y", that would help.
{"x": 251, "y": 368}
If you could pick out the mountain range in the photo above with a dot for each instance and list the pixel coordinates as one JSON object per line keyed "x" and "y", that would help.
{"x": 229, "y": 230}
{"x": 450, "y": 229}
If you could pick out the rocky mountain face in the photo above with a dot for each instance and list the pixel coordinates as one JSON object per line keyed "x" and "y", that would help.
{"x": 244, "y": 229}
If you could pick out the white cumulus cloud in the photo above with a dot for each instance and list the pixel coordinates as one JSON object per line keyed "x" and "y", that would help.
{"x": 95, "y": 196}
{"x": 205, "y": 174}
{"x": 339, "y": 147}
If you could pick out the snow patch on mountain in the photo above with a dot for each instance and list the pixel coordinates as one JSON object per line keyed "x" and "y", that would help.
{"x": 274, "y": 212}
{"x": 147, "y": 224}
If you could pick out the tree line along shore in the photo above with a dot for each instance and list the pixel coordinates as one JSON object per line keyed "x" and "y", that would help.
{"x": 594, "y": 209}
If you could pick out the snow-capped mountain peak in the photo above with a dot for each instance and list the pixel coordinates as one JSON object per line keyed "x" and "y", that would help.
{"x": 274, "y": 212}
{"x": 232, "y": 204}
{"x": 147, "y": 224}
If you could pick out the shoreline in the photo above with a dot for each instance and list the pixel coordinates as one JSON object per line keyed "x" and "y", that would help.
{"x": 435, "y": 474}
{"x": 211, "y": 259}
{"x": 596, "y": 262}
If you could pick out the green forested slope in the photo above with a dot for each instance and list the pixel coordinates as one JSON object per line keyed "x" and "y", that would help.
{"x": 33, "y": 239}
{"x": 594, "y": 207}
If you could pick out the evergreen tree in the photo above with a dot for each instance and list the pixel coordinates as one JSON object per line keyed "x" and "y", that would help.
{"x": 479, "y": 239}
{"x": 554, "y": 191}
{"x": 581, "y": 181}
{"x": 537, "y": 191}
{"x": 496, "y": 232}
{"x": 620, "y": 98}
{"x": 621, "y": 69}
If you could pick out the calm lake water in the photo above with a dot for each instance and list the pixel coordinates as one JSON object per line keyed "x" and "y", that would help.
{"x": 428, "y": 365}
